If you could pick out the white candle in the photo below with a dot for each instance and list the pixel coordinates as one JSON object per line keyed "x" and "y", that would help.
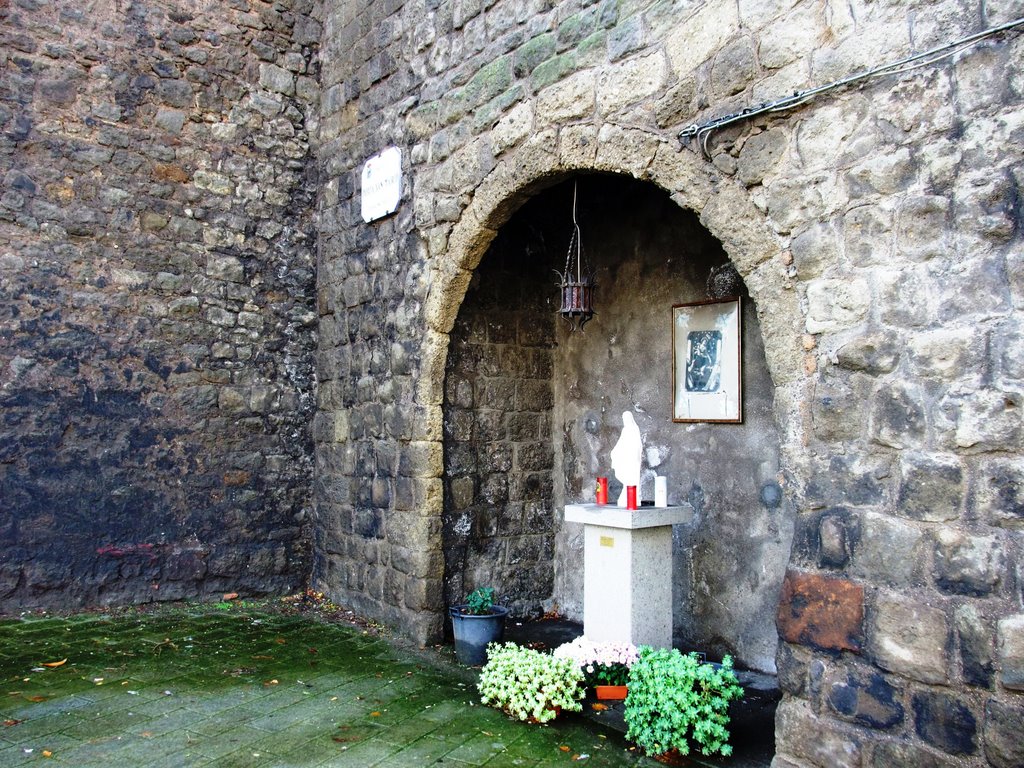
{"x": 660, "y": 491}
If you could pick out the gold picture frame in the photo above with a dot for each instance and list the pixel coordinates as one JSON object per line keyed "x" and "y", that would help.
{"x": 707, "y": 361}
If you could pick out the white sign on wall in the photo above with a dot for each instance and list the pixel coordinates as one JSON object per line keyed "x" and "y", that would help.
{"x": 382, "y": 184}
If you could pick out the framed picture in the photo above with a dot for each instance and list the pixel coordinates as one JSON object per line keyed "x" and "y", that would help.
{"x": 706, "y": 362}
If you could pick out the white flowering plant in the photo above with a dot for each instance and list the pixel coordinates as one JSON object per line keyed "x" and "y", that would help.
{"x": 528, "y": 684}
{"x": 605, "y": 663}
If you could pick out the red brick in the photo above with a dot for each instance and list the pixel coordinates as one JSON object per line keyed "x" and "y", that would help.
{"x": 823, "y": 612}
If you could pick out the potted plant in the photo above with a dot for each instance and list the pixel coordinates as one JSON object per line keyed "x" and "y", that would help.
{"x": 674, "y": 699}
{"x": 475, "y": 623}
{"x": 530, "y": 685}
{"x": 605, "y": 665}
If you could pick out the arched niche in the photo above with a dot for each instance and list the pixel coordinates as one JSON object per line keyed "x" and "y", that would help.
{"x": 531, "y": 410}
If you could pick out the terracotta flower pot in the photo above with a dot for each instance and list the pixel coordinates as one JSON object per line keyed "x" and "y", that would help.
{"x": 610, "y": 692}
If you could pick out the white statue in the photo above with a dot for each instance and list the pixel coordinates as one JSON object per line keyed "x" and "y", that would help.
{"x": 627, "y": 456}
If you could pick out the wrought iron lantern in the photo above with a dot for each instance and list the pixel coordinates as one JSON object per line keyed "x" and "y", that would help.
{"x": 577, "y": 281}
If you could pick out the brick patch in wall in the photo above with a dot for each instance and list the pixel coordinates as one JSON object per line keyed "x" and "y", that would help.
{"x": 824, "y": 612}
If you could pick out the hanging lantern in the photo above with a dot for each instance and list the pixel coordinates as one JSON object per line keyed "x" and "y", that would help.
{"x": 577, "y": 281}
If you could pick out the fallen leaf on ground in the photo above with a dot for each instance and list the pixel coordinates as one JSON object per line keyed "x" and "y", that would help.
{"x": 231, "y": 596}
{"x": 12, "y": 722}
{"x": 280, "y": 640}
{"x": 52, "y": 664}
{"x": 264, "y": 658}
{"x": 36, "y": 698}
{"x": 270, "y": 682}
{"x": 47, "y": 753}
{"x": 564, "y": 748}
{"x": 598, "y": 707}
{"x": 375, "y": 714}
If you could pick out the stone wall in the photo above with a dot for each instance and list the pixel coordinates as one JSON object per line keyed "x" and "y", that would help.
{"x": 877, "y": 230}
{"x": 156, "y": 292}
{"x": 499, "y": 520}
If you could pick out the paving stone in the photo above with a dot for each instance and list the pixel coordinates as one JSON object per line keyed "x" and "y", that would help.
{"x": 254, "y": 689}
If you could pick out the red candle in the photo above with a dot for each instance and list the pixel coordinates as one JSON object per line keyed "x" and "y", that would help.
{"x": 602, "y": 490}
{"x": 630, "y": 497}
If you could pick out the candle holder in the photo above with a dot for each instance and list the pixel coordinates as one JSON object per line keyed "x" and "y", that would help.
{"x": 602, "y": 490}
{"x": 631, "y": 497}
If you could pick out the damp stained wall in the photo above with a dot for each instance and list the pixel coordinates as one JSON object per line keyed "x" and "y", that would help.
{"x": 157, "y": 322}
{"x": 728, "y": 565}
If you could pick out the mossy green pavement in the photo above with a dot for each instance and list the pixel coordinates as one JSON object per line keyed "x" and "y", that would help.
{"x": 199, "y": 686}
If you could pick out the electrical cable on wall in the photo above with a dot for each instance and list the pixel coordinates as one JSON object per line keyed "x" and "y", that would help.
{"x": 702, "y": 131}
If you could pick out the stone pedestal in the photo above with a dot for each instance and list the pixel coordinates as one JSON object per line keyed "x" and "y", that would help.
{"x": 627, "y": 578}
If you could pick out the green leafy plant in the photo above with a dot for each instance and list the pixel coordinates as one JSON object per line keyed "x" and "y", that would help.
{"x": 480, "y": 601}
{"x": 675, "y": 699}
{"x": 528, "y": 684}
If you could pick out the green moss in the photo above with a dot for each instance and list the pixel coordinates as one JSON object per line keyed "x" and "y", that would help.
{"x": 488, "y": 82}
{"x": 553, "y": 70}
{"x": 530, "y": 55}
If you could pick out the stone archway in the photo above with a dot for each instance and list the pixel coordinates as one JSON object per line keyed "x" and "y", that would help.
{"x": 724, "y": 211}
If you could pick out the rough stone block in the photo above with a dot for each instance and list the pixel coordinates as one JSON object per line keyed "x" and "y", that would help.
{"x": 967, "y": 565}
{"x": 787, "y": 39}
{"x": 823, "y": 612}
{"x": 225, "y": 268}
{"x": 760, "y": 154}
{"x": 874, "y": 354}
{"x": 885, "y": 173}
{"x": 865, "y": 698}
{"x": 905, "y": 754}
{"x": 795, "y": 200}
{"x": 931, "y": 487}
{"x": 837, "y": 409}
{"x": 705, "y": 32}
{"x": 898, "y": 415}
{"x": 1000, "y": 495}
{"x": 867, "y": 231}
{"x": 512, "y": 128}
{"x": 571, "y": 98}
{"x": 1010, "y": 634}
{"x": 947, "y": 354}
{"x": 1003, "y": 742}
{"x": 799, "y": 732}
{"x": 834, "y": 540}
{"x": 834, "y": 305}
{"x": 976, "y": 636}
{"x": 529, "y": 55}
{"x": 213, "y": 182}
{"x": 910, "y": 638}
{"x": 625, "y": 38}
{"x": 987, "y": 419}
{"x": 944, "y": 722}
{"x": 630, "y": 82}
{"x": 733, "y": 68}
{"x": 921, "y": 231}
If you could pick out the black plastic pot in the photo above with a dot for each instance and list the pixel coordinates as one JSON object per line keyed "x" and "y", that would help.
{"x": 473, "y": 633}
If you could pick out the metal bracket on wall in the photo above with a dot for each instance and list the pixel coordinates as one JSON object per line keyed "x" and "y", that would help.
{"x": 702, "y": 131}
